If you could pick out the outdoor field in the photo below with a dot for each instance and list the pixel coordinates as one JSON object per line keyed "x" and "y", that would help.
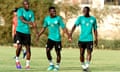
{"x": 103, "y": 60}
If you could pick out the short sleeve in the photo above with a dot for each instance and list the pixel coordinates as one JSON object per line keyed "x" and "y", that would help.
{"x": 20, "y": 12}
{"x": 95, "y": 25}
{"x": 62, "y": 24}
{"x": 77, "y": 23}
{"x": 33, "y": 17}
{"x": 45, "y": 23}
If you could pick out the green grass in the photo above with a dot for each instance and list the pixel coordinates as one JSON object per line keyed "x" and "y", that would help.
{"x": 103, "y": 60}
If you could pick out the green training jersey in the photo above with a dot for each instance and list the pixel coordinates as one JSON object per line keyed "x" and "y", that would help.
{"x": 53, "y": 25}
{"x": 87, "y": 24}
{"x": 28, "y": 16}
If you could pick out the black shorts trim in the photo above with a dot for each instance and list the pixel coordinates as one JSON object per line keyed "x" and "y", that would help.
{"x": 56, "y": 44}
{"x": 86, "y": 45}
{"x": 22, "y": 38}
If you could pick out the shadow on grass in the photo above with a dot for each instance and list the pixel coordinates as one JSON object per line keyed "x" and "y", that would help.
{"x": 75, "y": 69}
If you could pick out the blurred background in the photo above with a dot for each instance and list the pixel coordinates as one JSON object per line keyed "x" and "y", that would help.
{"x": 107, "y": 13}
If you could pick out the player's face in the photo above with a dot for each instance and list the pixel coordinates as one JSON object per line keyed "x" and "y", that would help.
{"x": 14, "y": 13}
{"x": 85, "y": 11}
{"x": 26, "y": 5}
{"x": 52, "y": 12}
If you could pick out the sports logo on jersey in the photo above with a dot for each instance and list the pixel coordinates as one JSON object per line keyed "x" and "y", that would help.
{"x": 83, "y": 22}
{"x": 52, "y": 25}
{"x": 30, "y": 16}
{"x": 91, "y": 21}
{"x": 56, "y": 22}
{"x": 87, "y": 24}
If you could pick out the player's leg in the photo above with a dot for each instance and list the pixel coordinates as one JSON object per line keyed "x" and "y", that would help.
{"x": 28, "y": 56}
{"x": 89, "y": 53}
{"x": 49, "y": 47}
{"x": 14, "y": 44}
{"x": 27, "y": 43}
{"x": 58, "y": 48}
{"x": 18, "y": 50}
{"x": 24, "y": 53}
{"x": 82, "y": 52}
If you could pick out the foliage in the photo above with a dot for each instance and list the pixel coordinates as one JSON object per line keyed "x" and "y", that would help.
{"x": 101, "y": 14}
{"x": 109, "y": 44}
{"x": 40, "y": 7}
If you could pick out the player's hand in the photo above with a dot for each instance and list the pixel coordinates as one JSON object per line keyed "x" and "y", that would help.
{"x": 37, "y": 37}
{"x": 70, "y": 37}
{"x": 96, "y": 42}
{"x": 30, "y": 23}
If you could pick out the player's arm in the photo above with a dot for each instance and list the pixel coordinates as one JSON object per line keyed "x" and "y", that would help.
{"x": 65, "y": 30}
{"x": 34, "y": 26}
{"x": 14, "y": 28}
{"x": 77, "y": 23}
{"x": 95, "y": 32}
{"x": 40, "y": 33}
{"x": 25, "y": 21}
{"x": 96, "y": 37}
{"x": 42, "y": 30}
{"x": 73, "y": 29}
{"x": 13, "y": 31}
{"x": 62, "y": 25}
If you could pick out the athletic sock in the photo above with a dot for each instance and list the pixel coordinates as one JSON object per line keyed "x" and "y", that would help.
{"x": 51, "y": 63}
{"x": 17, "y": 59}
{"x": 27, "y": 62}
{"x": 24, "y": 51}
{"x": 83, "y": 65}
{"x": 87, "y": 64}
{"x": 58, "y": 65}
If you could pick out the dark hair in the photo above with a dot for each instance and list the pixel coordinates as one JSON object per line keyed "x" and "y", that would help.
{"x": 51, "y": 8}
{"x": 25, "y": 1}
{"x": 15, "y": 10}
{"x": 88, "y": 8}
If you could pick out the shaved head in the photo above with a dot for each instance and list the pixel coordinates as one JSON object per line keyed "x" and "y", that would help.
{"x": 26, "y": 4}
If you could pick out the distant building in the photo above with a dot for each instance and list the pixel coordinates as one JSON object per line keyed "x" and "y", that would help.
{"x": 92, "y": 3}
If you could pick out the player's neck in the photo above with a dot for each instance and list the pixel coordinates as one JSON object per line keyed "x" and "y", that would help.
{"x": 87, "y": 15}
{"x": 52, "y": 16}
{"x": 26, "y": 9}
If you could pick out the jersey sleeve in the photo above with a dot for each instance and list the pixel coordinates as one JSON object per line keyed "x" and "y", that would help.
{"x": 62, "y": 24}
{"x": 33, "y": 17}
{"x": 45, "y": 23}
{"x": 20, "y": 12}
{"x": 77, "y": 23}
{"x": 95, "y": 25}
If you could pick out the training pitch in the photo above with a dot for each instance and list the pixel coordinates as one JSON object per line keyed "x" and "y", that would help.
{"x": 102, "y": 61}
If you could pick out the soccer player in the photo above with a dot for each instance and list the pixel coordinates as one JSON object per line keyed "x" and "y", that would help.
{"x": 88, "y": 25}
{"x": 25, "y": 20}
{"x": 14, "y": 25}
{"x": 53, "y": 23}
